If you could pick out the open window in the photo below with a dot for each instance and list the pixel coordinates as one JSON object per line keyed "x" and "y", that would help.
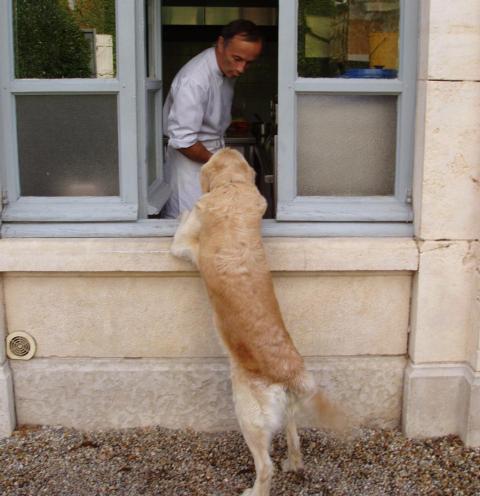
{"x": 326, "y": 116}
{"x": 188, "y": 28}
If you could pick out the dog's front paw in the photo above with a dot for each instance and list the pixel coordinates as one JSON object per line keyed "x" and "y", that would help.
{"x": 180, "y": 251}
{"x": 183, "y": 216}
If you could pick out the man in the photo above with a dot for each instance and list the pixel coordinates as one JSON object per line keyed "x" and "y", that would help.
{"x": 197, "y": 111}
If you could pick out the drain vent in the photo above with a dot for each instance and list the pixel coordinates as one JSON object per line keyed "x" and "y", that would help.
{"x": 20, "y": 346}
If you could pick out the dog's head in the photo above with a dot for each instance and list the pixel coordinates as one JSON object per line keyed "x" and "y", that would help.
{"x": 225, "y": 166}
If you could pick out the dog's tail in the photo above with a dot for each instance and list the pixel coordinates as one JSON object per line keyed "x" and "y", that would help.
{"x": 327, "y": 413}
{"x": 331, "y": 415}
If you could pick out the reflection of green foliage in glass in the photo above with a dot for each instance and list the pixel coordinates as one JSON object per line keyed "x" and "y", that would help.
{"x": 324, "y": 8}
{"x": 98, "y": 15}
{"x": 307, "y": 66}
{"x": 48, "y": 41}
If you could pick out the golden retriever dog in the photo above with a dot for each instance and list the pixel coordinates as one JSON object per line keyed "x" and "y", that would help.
{"x": 222, "y": 237}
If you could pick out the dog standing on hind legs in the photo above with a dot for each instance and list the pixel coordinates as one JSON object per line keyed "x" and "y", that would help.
{"x": 222, "y": 237}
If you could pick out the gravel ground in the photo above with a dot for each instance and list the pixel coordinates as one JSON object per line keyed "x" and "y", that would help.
{"x": 156, "y": 461}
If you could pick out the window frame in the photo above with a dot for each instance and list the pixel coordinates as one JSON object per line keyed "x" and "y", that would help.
{"x": 99, "y": 217}
{"x": 153, "y": 196}
{"x": 395, "y": 208}
{"x": 75, "y": 208}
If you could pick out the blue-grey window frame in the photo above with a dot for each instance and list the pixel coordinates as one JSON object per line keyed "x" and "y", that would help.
{"x": 395, "y": 208}
{"x": 377, "y": 216}
{"x": 72, "y": 209}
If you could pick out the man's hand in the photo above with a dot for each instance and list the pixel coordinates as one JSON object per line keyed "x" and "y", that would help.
{"x": 197, "y": 153}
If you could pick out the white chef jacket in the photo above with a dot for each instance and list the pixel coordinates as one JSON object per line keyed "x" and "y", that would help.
{"x": 197, "y": 108}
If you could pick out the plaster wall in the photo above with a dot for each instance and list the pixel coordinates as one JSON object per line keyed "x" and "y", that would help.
{"x": 443, "y": 295}
{"x": 449, "y": 186}
{"x": 125, "y": 335}
{"x": 449, "y": 40}
{"x": 115, "y": 300}
{"x": 85, "y": 315}
{"x": 447, "y": 154}
{"x": 447, "y": 183}
{"x": 196, "y": 393}
{"x": 442, "y": 380}
{"x": 7, "y": 410}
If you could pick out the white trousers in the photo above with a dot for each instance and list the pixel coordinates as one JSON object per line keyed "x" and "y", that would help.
{"x": 183, "y": 176}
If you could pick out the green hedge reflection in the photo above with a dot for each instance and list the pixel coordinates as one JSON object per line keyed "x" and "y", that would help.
{"x": 49, "y": 42}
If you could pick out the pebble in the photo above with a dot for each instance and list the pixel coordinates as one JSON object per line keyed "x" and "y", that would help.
{"x": 156, "y": 461}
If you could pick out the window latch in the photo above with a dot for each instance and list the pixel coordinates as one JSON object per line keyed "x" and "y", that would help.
{"x": 4, "y": 198}
{"x": 408, "y": 196}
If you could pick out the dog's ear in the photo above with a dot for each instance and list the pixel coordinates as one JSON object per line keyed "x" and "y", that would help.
{"x": 207, "y": 173}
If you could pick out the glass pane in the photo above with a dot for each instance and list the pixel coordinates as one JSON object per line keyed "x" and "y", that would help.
{"x": 152, "y": 96}
{"x": 348, "y": 38}
{"x": 221, "y": 15}
{"x": 217, "y": 16}
{"x": 183, "y": 16}
{"x": 346, "y": 145}
{"x": 68, "y": 145}
{"x": 64, "y": 38}
{"x": 262, "y": 16}
{"x": 150, "y": 40}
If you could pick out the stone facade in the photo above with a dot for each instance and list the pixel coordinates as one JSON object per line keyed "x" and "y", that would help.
{"x": 137, "y": 347}
{"x": 181, "y": 393}
{"x": 109, "y": 316}
{"x": 442, "y": 380}
{"x": 7, "y": 409}
{"x": 390, "y": 327}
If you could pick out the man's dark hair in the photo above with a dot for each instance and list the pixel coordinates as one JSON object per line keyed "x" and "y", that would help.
{"x": 241, "y": 27}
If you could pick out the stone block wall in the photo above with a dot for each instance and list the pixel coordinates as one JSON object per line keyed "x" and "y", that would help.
{"x": 125, "y": 333}
{"x": 444, "y": 344}
{"x": 7, "y": 409}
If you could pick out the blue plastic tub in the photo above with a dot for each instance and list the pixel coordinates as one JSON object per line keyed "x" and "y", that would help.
{"x": 371, "y": 73}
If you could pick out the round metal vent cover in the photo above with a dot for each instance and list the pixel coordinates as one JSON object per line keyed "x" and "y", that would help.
{"x": 20, "y": 346}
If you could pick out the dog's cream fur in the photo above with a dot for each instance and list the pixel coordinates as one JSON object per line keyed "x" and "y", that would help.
{"x": 221, "y": 235}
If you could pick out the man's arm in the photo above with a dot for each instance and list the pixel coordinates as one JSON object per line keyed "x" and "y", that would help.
{"x": 197, "y": 152}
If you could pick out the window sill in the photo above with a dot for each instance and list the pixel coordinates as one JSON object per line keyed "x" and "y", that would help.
{"x": 165, "y": 228}
{"x": 151, "y": 255}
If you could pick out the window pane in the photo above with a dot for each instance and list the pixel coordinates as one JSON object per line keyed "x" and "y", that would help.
{"x": 348, "y": 38}
{"x": 152, "y": 136}
{"x": 64, "y": 38}
{"x": 68, "y": 145}
{"x": 150, "y": 40}
{"x": 183, "y": 15}
{"x": 221, "y": 15}
{"x": 346, "y": 145}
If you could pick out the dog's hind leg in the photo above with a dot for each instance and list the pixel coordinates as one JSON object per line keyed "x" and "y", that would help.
{"x": 258, "y": 442}
{"x": 259, "y": 407}
{"x": 293, "y": 462}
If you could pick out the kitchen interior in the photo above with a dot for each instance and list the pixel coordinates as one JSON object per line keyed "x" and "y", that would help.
{"x": 189, "y": 27}
{"x": 336, "y": 39}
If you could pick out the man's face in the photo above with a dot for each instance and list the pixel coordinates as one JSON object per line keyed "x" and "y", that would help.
{"x": 235, "y": 56}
